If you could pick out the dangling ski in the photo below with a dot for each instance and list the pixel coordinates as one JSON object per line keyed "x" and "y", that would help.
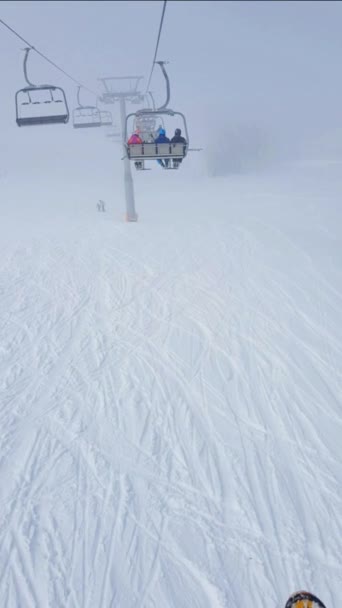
{"x": 304, "y": 599}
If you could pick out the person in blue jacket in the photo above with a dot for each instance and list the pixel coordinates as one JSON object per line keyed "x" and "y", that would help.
{"x": 162, "y": 139}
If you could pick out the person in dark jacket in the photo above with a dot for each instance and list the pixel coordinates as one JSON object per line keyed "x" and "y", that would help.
{"x": 178, "y": 139}
{"x": 162, "y": 139}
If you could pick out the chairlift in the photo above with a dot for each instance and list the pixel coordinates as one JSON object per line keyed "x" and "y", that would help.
{"x": 85, "y": 117}
{"x": 153, "y": 151}
{"x": 106, "y": 118}
{"x": 42, "y": 104}
{"x": 146, "y": 123}
{"x": 138, "y": 153}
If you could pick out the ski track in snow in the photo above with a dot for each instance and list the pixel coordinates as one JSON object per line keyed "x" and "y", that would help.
{"x": 170, "y": 408}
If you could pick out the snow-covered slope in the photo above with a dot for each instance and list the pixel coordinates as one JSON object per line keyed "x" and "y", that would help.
{"x": 171, "y": 394}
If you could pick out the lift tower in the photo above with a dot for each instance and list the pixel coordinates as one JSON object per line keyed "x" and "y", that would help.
{"x": 122, "y": 89}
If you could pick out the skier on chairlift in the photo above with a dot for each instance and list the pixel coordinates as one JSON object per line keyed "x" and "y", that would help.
{"x": 136, "y": 139}
{"x": 178, "y": 139}
{"x": 162, "y": 139}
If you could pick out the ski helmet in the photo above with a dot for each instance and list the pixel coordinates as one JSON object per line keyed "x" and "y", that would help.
{"x": 304, "y": 599}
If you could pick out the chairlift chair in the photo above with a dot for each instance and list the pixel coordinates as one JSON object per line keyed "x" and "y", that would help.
{"x": 147, "y": 124}
{"x": 40, "y": 104}
{"x": 85, "y": 117}
{"x": 155, "y": 151}
{"x": 106, "y": 118}
{"x": 175, "y": 152}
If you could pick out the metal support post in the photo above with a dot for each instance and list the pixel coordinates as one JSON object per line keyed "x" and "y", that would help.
{"x": 131, "y": 215}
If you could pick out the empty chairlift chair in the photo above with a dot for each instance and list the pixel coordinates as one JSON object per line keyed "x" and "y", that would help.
{"x": 40, "y": 104}
{"x": 106, "y": 118}
{"x": 85, "y": 117}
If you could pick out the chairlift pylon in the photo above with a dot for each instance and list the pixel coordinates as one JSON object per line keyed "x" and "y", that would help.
{"x": 38, "y": 104}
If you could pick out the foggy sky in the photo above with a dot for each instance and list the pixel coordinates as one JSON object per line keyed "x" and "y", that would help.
{"x": 270, "y": 63}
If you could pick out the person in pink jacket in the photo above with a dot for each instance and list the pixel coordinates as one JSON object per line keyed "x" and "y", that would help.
{"x": 135, "y": 138}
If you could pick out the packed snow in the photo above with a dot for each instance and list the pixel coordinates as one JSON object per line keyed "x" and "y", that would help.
{"x": 171, "y": 392}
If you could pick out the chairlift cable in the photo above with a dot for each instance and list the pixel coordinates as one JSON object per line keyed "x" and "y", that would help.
{"x": 157, "y": 45}
{"x": 45, "y": 57}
